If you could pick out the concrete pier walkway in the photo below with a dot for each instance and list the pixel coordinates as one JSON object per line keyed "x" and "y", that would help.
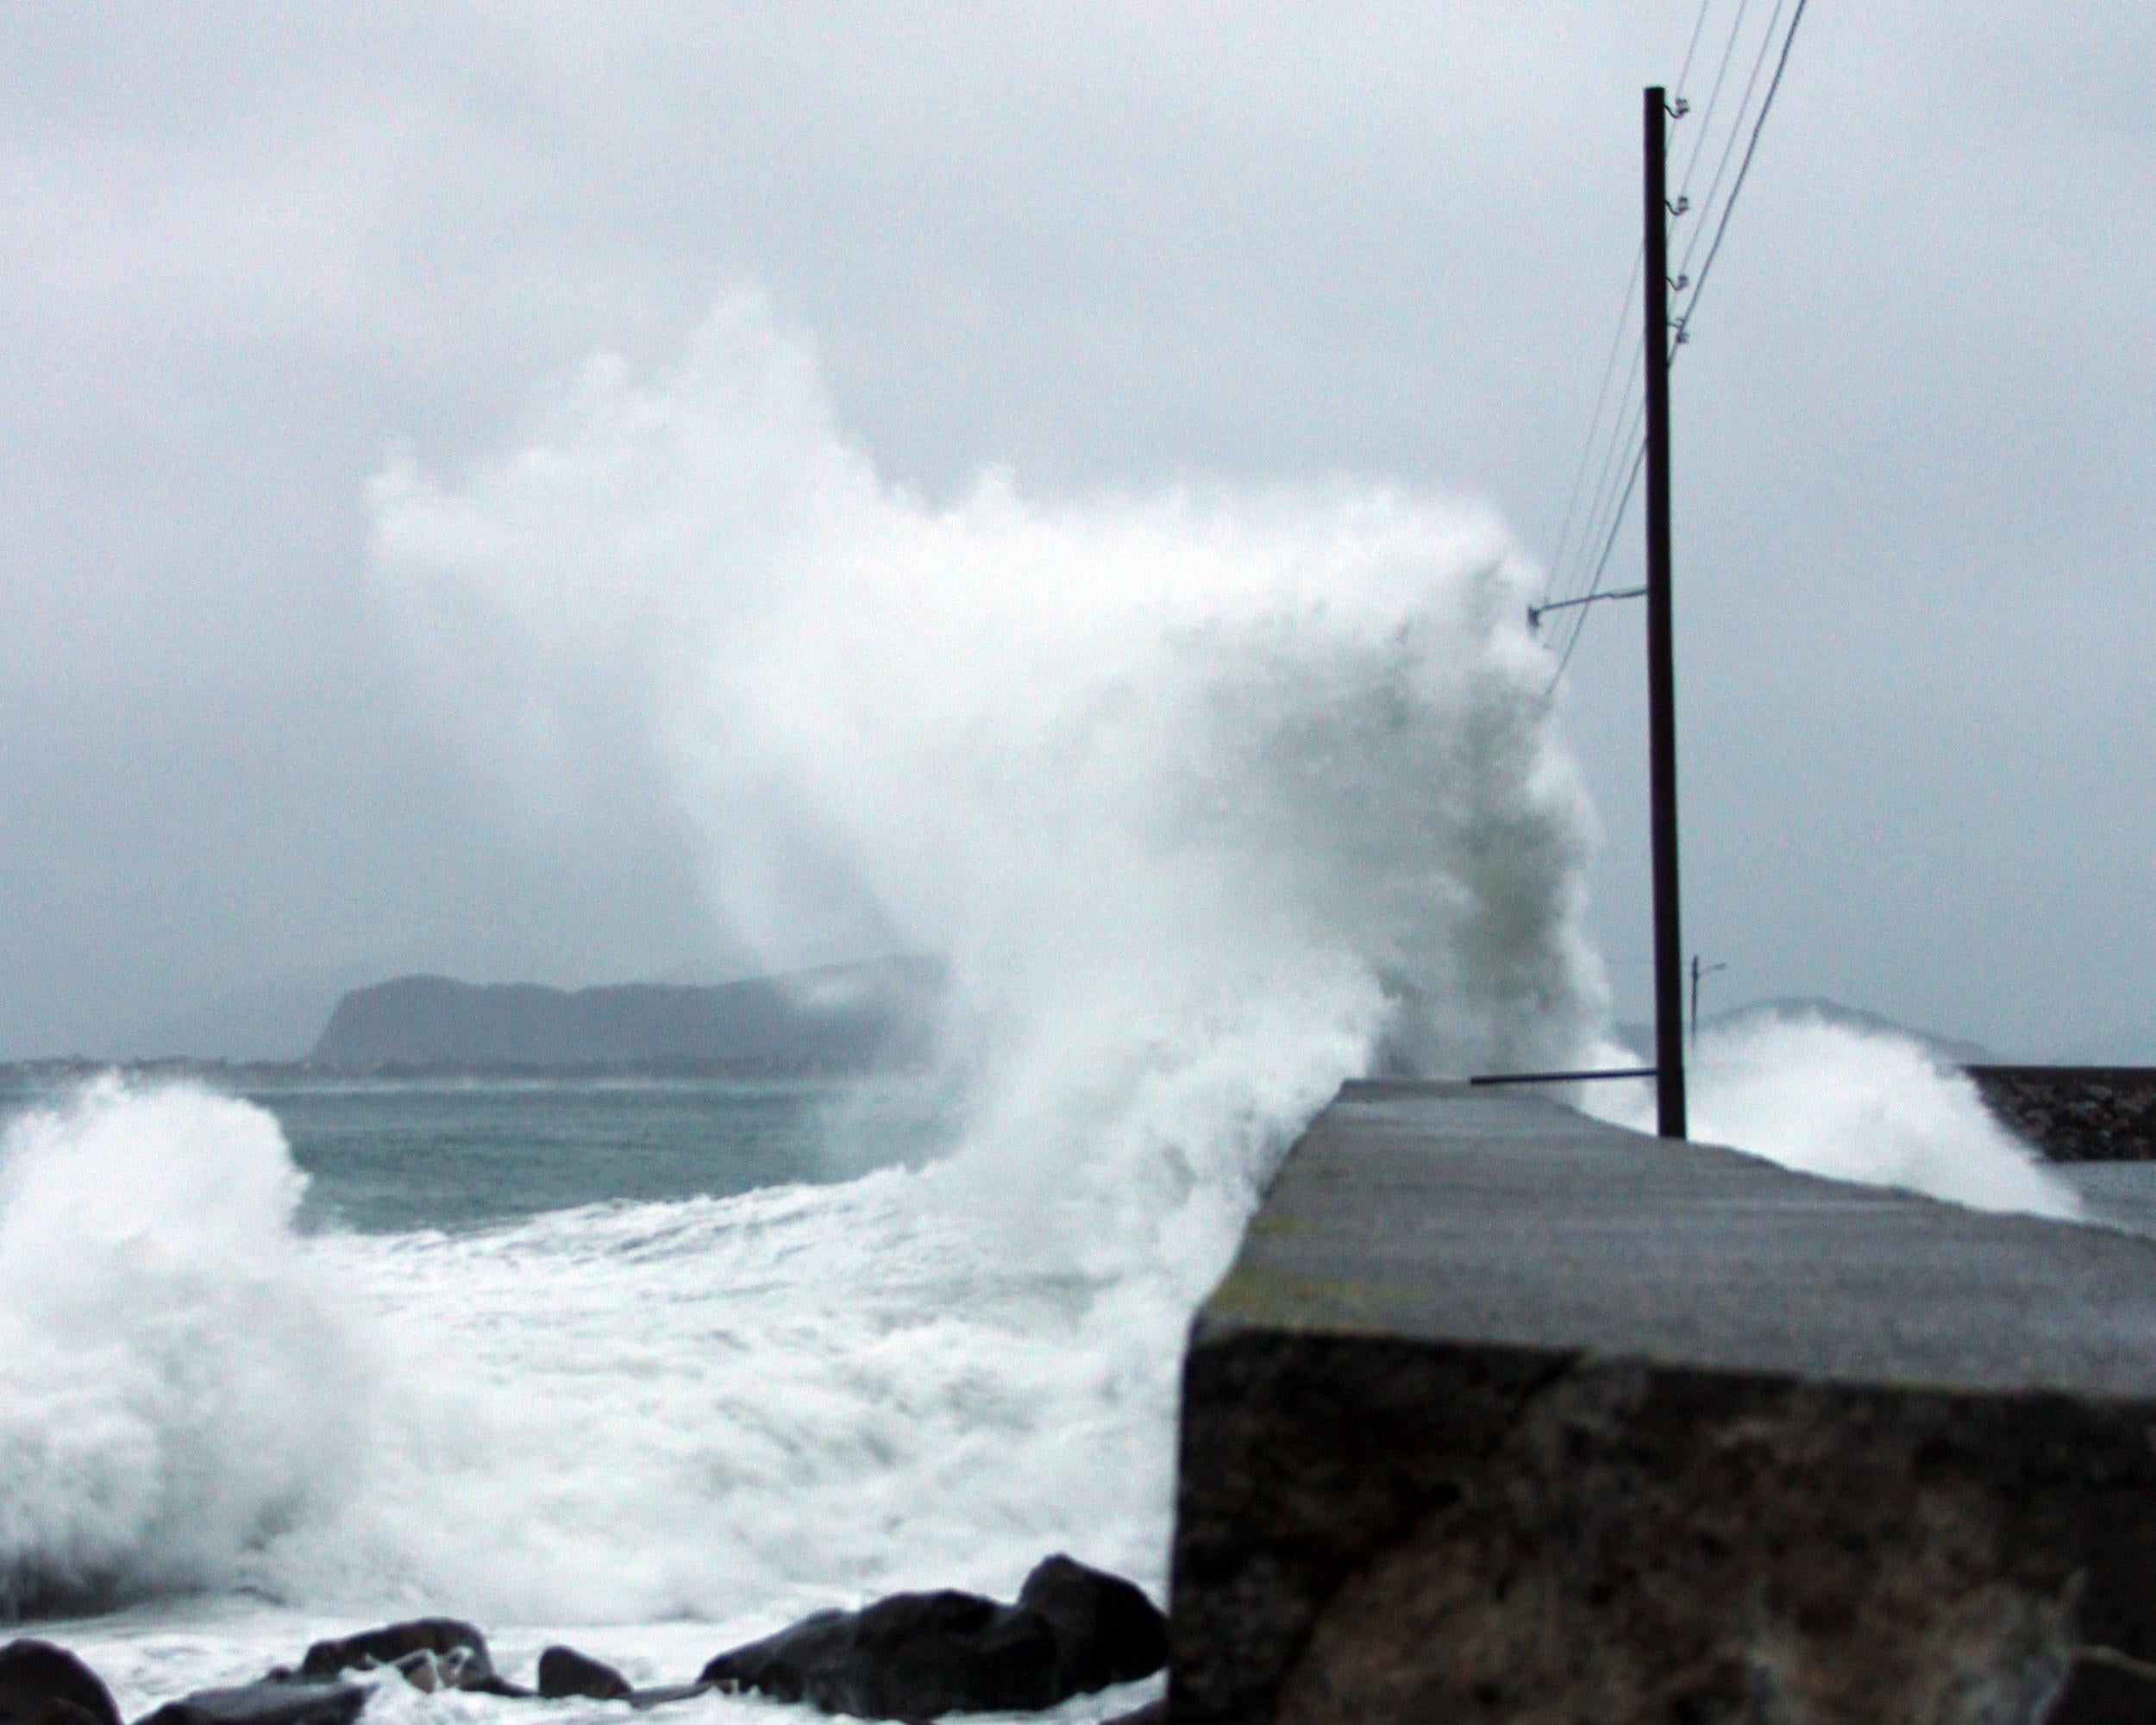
{"x": 1504, "y": 1413}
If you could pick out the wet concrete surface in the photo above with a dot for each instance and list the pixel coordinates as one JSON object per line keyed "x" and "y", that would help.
{"x": 1494, "y": 1216}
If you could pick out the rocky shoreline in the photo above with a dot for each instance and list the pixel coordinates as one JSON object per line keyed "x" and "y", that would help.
{"x": 1072, "y": 1631}
{"x": 2076, "y": 1113}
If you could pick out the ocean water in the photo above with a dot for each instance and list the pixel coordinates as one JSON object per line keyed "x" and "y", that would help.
{"x": 651, "y": 1367}
{"x": 391, "y": 1156}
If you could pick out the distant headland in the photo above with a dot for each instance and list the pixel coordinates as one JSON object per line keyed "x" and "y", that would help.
{"x": 839, "y": 1020}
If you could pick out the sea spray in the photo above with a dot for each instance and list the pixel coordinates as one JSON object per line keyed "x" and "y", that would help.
{"x": 1211, "y": 798}
{"x": 179, "y": 1383}
{"x": 1860, "y": 1105}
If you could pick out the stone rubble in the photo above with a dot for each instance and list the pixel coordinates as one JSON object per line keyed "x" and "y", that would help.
{"x": 911, "y": 1657}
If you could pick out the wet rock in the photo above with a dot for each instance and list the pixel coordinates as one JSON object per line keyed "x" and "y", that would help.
{"x": 564, "y": 1671}
{"x": 468, "y": 1669}
{"x": 911, "y": 1656}
{"x": 41, "y": 1682}
{"x": 393, "y": 1641}
{"x": 780, "y": 1665}
{"x": 2076, "y": 1113}
{"x": 420, "y": 1671}
{"x": 267, "y": 1703}
{"x": 661, "y": 1694}
{"x": 1106, "y": 1630}
{"x": 1153, "y": 1712}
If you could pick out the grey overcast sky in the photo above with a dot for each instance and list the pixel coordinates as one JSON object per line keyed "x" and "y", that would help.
{"x": 250, "y": 249}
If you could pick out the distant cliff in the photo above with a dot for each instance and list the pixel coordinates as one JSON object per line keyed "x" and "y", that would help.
{"x": 845, "y": 1019}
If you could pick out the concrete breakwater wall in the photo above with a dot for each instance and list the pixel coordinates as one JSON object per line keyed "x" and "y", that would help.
{"x": 1506, "y": 1414}
{"x": 2076, "y": 1113}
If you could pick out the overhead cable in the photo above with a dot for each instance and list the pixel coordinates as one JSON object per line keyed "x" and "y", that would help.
{"x": 1595, "y": 420}
{"x": 1736, "y": 130}
{"x": 1745, "y": 167}
{"x": 1713, "y": 96}
{"x": 1690, "y": 48}
{"x": 1607, "y": 508}
{"x": 1713, "y": 249}
{"x": 1617, "y": 521}
{"x": 1613, "y": 523}
{"x": 1624, "y": 431}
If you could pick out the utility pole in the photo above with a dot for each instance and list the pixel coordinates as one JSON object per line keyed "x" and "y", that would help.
{"x": 1668, "y": 948}
{"x": 1697, "y": 972}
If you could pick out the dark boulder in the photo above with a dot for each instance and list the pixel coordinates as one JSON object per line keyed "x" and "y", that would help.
{"x": 564, "y": 1671}
{"x": 440, "y": 1636}
{"x": 920, "y": 1655}
{"x": 911, "y": 1656}
{"x": 780, "y": 1665}
{"x": 1106, "y": 1630}
{"x": 39, "y": 1681}
{"x": 271, "y": 1702}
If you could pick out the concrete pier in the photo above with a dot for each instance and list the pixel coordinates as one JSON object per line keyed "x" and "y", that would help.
{"x": 1505, "y": 1414}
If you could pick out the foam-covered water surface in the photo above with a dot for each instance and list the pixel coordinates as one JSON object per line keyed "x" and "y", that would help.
{"x": 619, "y": 1412}
{"x": 658, "y": 1426}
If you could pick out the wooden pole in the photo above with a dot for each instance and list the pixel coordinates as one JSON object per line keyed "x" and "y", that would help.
{"x": 1669, "y": 946}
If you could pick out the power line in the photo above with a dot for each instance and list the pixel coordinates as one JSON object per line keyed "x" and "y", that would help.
{"x": 1624, "y": 505}
{"x": 1736, "y": 129}
{"x": 1636, "y": 441}
{"x": 1745, "y": 167}
{"x": 1605, "y": 501}
{"x": 1713, "y": 249}
{"x": 1624, "y": 432}
{"x": 1565, "y": 543}
{"x": 1595, "y": 420}
{"x": 1713, "y": 97}
{"x": 1698, "y": 24}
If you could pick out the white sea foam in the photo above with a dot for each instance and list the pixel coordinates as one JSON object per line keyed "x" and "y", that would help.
{"x": 178, "y": 1383}
{"x": 1860, "y": 1105}
{"x": 638, "y": 1412}
{"x": 754, "y": 1404}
